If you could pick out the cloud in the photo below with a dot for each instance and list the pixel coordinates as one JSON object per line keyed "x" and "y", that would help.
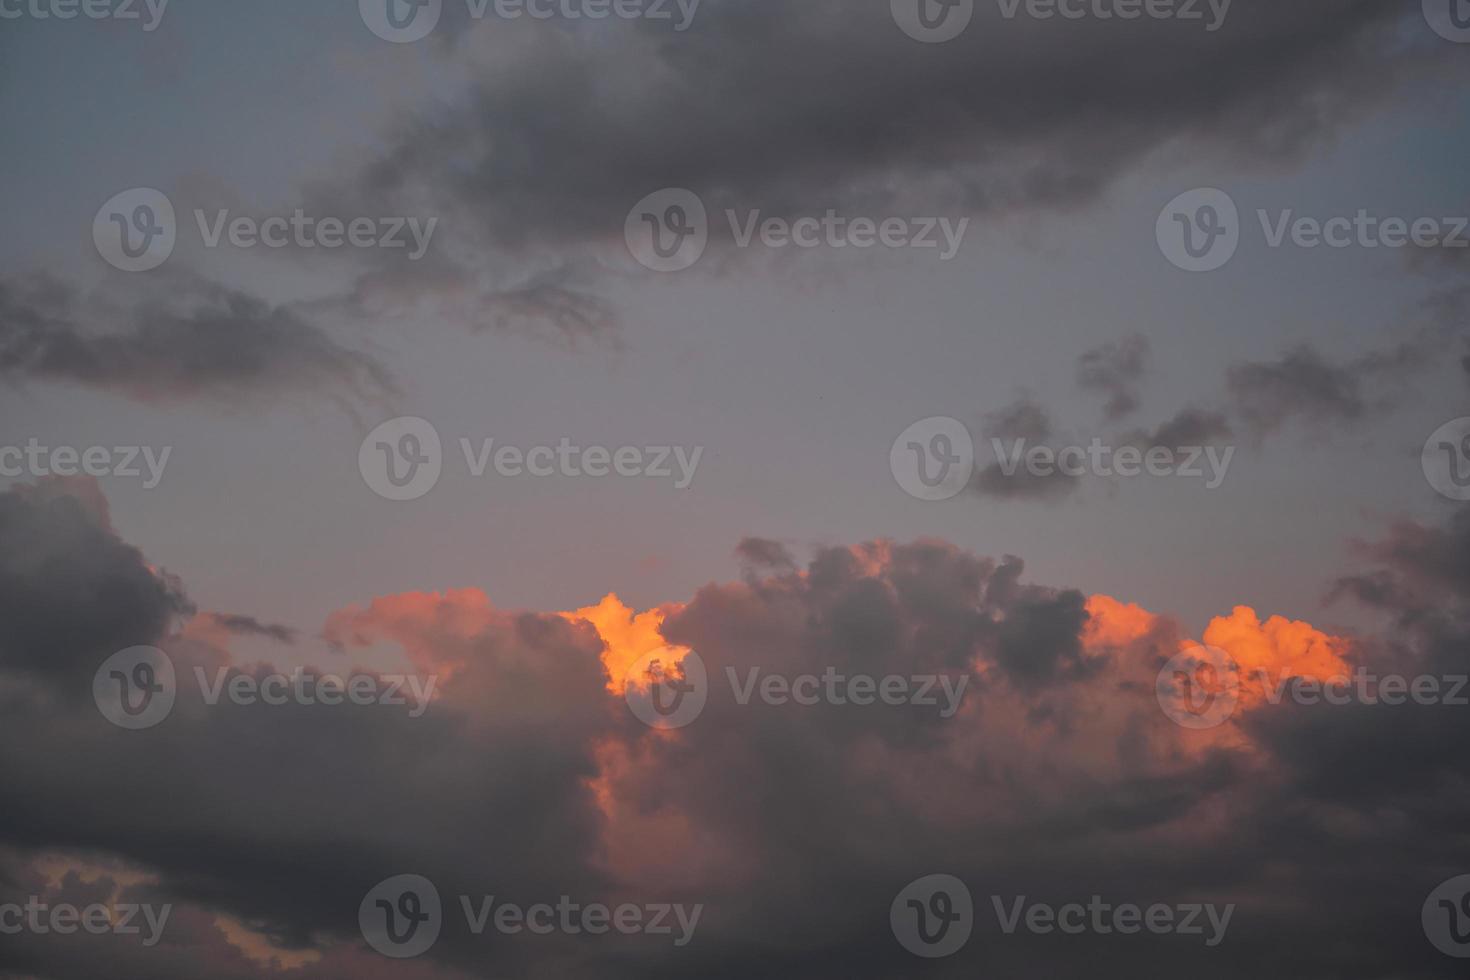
{"x": 861, "y": 119}
{"x": 191, "y": 339}
{"x": 71, "y": 592}
{"x": 855, "y": 105}
{"x": 1190, "y": 427}
{"x": 250, "y": 626}
{"x": 1057, "y": 775}
{"x": 1421, "y": 566}
{"x": 1024, "y": 420}
{"x": 1301, "y": 384}
{"x": 1115, "y": 369}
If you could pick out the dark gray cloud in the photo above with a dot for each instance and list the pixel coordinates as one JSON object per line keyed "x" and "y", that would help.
{"x": 1189, "y": 427}
{"x": 852, "y": 103}
{"x": 1304, "y": 385}
{"x": 1115, "y": 370}
{"x": 1301, "y": 384}
{"x": 1057, "y": 778}
{"x": 178, "y": 338}
{"x": 545, "y": 307}
{"x": 1023, "y": 424}
{"x": 250, "y": 626}
{"x": 293, "y": 812}
{"x": 761, "y": 555}
{"x": 1422, "y": 565}
{"x": 796, "y": 109}
{"x": 71, "y": 592}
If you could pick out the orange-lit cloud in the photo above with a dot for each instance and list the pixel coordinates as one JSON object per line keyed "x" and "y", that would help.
{"x": 1111, "y": 623}
{"x": 627, "y": 636}
{"x": 431, "y": 627}
{"x": 1279, "y": 648}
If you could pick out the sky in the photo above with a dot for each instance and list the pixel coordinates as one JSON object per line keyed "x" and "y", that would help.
{"x": 834, "y": 295}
